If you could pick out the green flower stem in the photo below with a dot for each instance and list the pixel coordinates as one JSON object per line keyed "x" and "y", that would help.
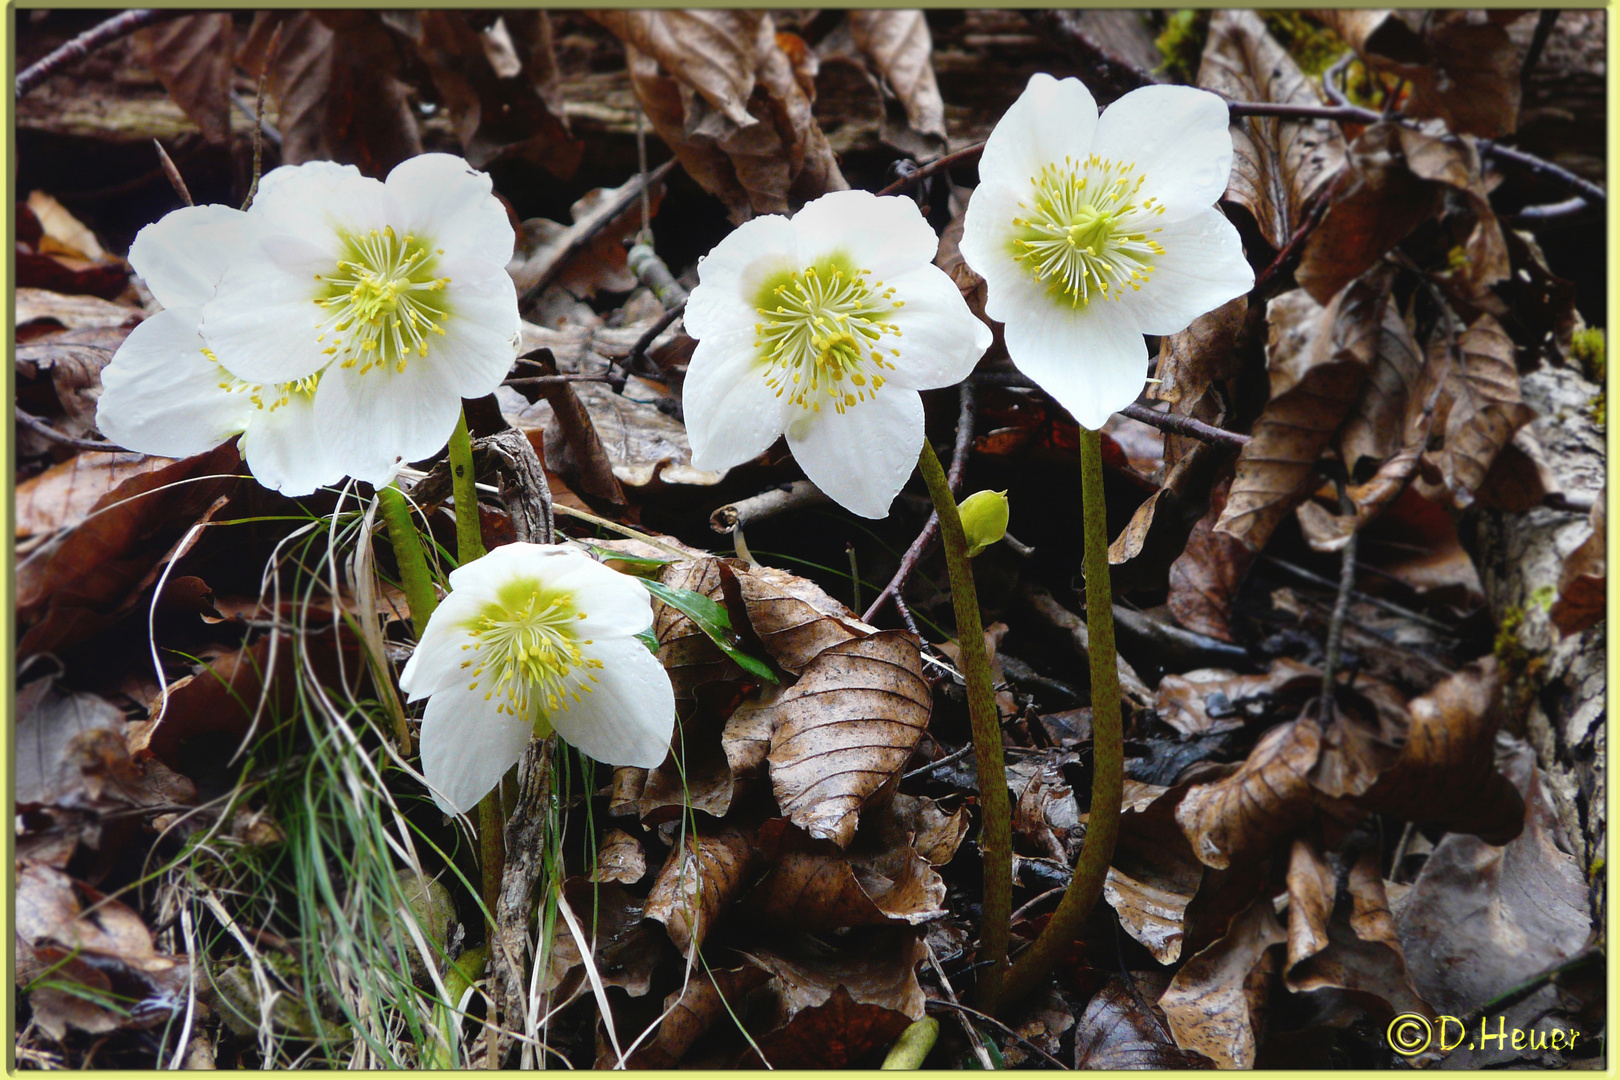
{"x": 413, "y": 569}
{"x": 470, "y": 546}
{"x": 463, "y": 483}
{"x": 1108, "y": 748}
{"x": 995, "y": 836}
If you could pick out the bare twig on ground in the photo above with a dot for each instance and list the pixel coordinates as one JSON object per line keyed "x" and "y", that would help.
{"x": 40, "y": 427}
{"x": 733, "y": 516}
{"x": 919, "y": 546}
{"x": 96, "y": 37}
{"x": 175, "y": 179}
{"x": 1184, "y": 425}
{"x": 638, "y": 351}
{"x": 258, "y": 114}
{"x": 1341, "y": 606}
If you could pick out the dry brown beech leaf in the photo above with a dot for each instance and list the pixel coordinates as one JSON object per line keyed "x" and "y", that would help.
{"x": 1184, "y": 701}
{"x": 1376, "y": 204}
{"x": 689, "y": 655}
{"x": 191, "y": 56}
{"x": 1453, "y": 160}
{"x": 699, "y": 881}
{"x": 1381, "y": 421}
{"x": 697, "y": 773}
{"x": 1215, "y": 1004}
{"x": 1205, "y": 577}
{"x": 334, "y": 77}
{"x": 840, "y": 1033}
{"x": 1479, "y": 410}
{"x": 72, "y": 312}
{"x": 1317, "y": 358}
{"x": 1583, "y": 582}
{"x": 1116, "y": 1033}
{"x": 1463, "y": 66}
{"x": 794, "y": 618}
{"x": 875, "y": 965}
{"x": 845, "y": 730}
{"x": 1481, "y": 919}
{"x": 1191, "y": 363}
{"x": 1352, "y": 947}
{"x": 1154, "y": 874}
{"x": 812, "y": 885}
{"x": 601, "y": 265}
{"x": 1446, "y": 773}
{"x": 1240, "y": 816}
{"x": 710, "y": 51}
{"x": 624, "y": 946}
{"x": 898, "y": 41}
{"x": 1278, "y": 166}
{"x": 620, "y": 858}
{"x": 709, "y": 995}
{"x": 49, "y": 911}
{"x": 72, "y": 752}
{"x": 496, "y": 85}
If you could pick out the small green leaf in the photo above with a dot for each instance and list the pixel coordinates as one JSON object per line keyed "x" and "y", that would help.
{"x": 713, "y": 619}
{"x": 635, "y": 564}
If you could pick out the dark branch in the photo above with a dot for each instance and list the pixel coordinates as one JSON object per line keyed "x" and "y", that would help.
{"x": 88, "y": 42}
{"x": 40, "y": 427}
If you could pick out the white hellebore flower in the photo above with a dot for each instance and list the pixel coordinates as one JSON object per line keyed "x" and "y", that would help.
{"x": 390, "y": 301}
{"x": 535, "y": 638}
{"x": 824, "y": 328}
{"x": 1091, "y": 232}
{"x": 165, "y": 392}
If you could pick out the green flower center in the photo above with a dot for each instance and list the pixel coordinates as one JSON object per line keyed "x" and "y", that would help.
{"x": 819, "y": 333}
{"x": 1087, "y": 233}
{"x": 383, "y": 299}
{"x": 527, "y": 651}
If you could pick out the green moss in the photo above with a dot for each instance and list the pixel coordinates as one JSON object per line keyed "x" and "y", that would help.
{"x": 1313, "y": 46}
{"x": 1181, "y": 42}
{"x": 1588, "y": 347}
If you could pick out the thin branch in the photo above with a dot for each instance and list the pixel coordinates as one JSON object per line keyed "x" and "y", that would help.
{"x": 952, "y": 757}
{"x": 919, "y": 547}
{"x": 1560, "y": 212}
{"x": 1289, "y": 256}
{"x": 628, "y": 194}
{"x": 270, "y": 53}
{"x": 1344, "y": 114}
{"x": 1538, "y": 41}
{"x": 733, "y": 516}
{"x": 555, "y": 380}
{"x": 923, "y": 172}
{"x": 1341, "y": 605}
{"x": 175, "y": 179}
{"x": 1184, "y": 425}
{"x": 98, "y": 36}
{"x": 40, "y": 427}
{"x": 638, "y": 351}
{"x": 1546, "y": 170}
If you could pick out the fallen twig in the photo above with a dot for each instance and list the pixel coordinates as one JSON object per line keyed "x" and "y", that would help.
{"x": 733, "y": 516}
{"x": 624, "y": 200}
{"x": 1184, "y": 425}
{"x": 40, "y": 427}
{"x": 175, "y": 179}
{"x": 96, "y": 37}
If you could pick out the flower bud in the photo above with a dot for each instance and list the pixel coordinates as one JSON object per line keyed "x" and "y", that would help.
{"x": 984, "y": 519}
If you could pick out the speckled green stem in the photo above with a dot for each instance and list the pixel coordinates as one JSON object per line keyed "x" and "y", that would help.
{"x": 995, "y": 835}
{"x": 1107, "y": 741}
{"x": 413, "y": 570}
{"x": 470, "y": 546}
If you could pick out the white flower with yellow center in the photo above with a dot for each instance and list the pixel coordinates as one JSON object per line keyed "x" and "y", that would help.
{"x": 535, "y": 638}
{"x": 823, "y": 328}
{"x": 1091, "y": 232}
{"x": 167, "y": 393}
{"x": 394, "y": 293}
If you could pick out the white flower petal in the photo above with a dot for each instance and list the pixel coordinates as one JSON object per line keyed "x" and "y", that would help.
{"x": 986, "y": 247}
{"x": 732, "y": 416}
{"x": 1091, "y": 359}
{"x": 630, "y": 716}
{"x": 318, "y": 199}
{"x": 482, "y": 334}
{"x": 467, "y": 746}
{"x": 263, "y": 322}
{"x": 371, "y": 422}
{"x": 161, "y": 395}
{"x": 435, "y": 664}
{"x": 940, "y": 339}
{"x": 285, "y": 451}
{"x": 1050, "y": 120}
{"x": 731, "y": 274}
{"x": 885, "y": 235}
{"x": 1177, "y": 137}
{"x": 1202, "y": 268}
{"x": 445, "y": 200}
{"x": 863, "y": 458}
{"x": 182, "y": 257}
{"x": 615, "y": 604}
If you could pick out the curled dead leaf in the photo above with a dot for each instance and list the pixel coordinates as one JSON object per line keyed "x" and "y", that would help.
{"x": 698, "y": 883}
{"x": 1242, "y": 815}
{"x": 1215, "y": 1004}
{"x": 845, "y": 730}
{"x": 1583, "y": 582}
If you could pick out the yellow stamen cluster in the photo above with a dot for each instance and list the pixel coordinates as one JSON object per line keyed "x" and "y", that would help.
{"x": 384, "y": 300}
{"x": 1087, "y": 231}
{"x": 282, "y": 393}
{"x": 819, "y": 334}
{"x": 526, "y": 639}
